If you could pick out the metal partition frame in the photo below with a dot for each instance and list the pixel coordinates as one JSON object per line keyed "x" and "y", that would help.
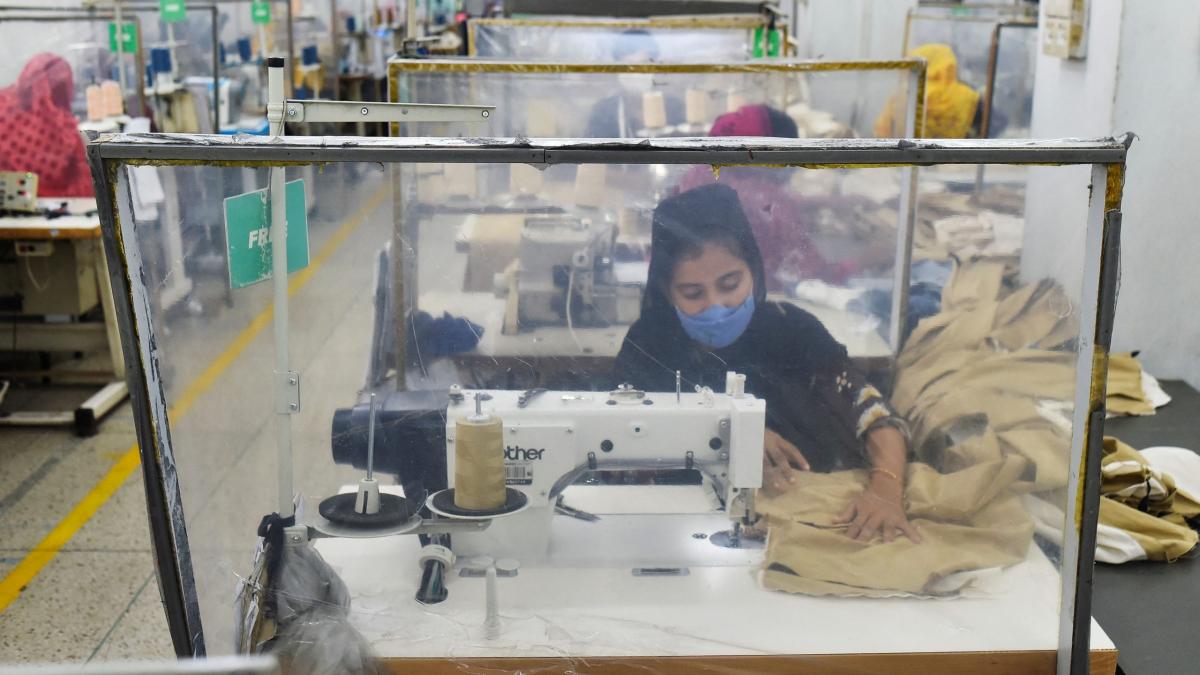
{"x": 747, "y": 22}
{"x": 914, "y": 127}
{"x": 107, "y": 154}
{"x": 631, "y": 7}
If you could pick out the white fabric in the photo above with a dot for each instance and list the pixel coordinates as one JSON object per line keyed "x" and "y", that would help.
{"x": 1154, "y": 391}
{"x": 1113, "y": 545}
{"x": 820, "y": 293}
{"x": 1181, "y": 464}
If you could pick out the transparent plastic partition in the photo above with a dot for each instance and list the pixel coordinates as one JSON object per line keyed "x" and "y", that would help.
{"x": 996, "y": 56}
{"x": 662, "y": 40}
{"x": 81, "y": 40}
{"x": 641, "y": 540}
{"x": 193, "y": 47}
{"x": 188, "y": 48}
{"x": 823, "y": 99}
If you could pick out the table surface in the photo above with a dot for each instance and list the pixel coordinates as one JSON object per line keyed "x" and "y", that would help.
{"x": 1151, "y": 609}
{"x": 585, "y": 602}
{"x": 82, "y": 223}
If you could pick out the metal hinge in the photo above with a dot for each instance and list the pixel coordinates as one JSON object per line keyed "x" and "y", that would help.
{"x": 287, "y": 392}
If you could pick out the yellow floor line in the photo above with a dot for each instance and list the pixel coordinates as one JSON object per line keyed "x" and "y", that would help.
{"x": 39, "y": 556}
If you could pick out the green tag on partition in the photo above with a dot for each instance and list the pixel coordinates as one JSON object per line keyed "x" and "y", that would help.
{"x": 260, "y": 11}
{"x": 248, "y": 234}
{"x": 172, "y": 11}
{"x": 774, "y": 40}
{"x": 767, "y": 42}
{"x": 128, "y": 37}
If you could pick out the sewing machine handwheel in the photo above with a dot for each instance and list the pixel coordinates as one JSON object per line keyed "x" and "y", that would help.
{"x": 442, "y": 503}
{"x": 339, "y": 509}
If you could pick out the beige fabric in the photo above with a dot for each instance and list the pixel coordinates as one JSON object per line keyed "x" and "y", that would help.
{"x": 969, "y": 520}
{"x": 1146, "y": 503}
{"x": 970, "y": 379}
{"x": 1125, "y": 395}
{"x": 493, "y": 244}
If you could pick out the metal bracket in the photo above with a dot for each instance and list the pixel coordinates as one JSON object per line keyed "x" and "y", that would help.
{"x": 287, "y": 392}
{"x": 359, "y": 111}
{"x": 296, "y": 535}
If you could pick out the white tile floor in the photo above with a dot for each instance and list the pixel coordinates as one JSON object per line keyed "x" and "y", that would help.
{"x": 98, "y": 599}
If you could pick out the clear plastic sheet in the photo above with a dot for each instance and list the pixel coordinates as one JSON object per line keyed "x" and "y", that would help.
{"x": 81, "y": 38}
{"x": 715, "y": 39}
{"x": 82, "y": 41}
{"x": 636, "y": 556}
{"x": 996, "y": 56}
{"x": 823, "y": 99}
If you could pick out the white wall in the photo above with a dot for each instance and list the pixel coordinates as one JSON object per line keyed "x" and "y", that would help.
{"x": 852, "y": 29}
{"x": 1071, "y": 99}
{"x": 847, "y": 30}
{"x": 1141, "y": 74}
{"x": 1158, "y": 94}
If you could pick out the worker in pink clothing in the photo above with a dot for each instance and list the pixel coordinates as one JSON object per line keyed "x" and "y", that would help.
{"x": 777, "y": 217}
{"x": 38, "y": 133}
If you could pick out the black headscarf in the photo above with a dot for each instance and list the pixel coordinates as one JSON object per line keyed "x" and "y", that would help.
{"x": 682, "y": 226}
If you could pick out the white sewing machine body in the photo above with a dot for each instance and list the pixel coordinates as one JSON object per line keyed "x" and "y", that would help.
{"x": 552, "y": 438}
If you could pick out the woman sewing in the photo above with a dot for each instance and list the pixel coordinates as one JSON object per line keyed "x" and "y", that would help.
{"x": 705, "y": 312}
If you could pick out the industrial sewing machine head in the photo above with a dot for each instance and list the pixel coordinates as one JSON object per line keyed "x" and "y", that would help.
{"x": 565, "y": 267}
{"x": 552, "y": 440}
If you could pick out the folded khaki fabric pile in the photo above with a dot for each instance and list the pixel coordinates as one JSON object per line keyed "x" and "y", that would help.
{"x": 1144, "y": 514}
{"x": 987, "y": 386}
{"x": 968, "y": 520}
{"x": 1146, "y": 503}
{"x": 971, "y": 381}
{"x": 1131, "y": 390}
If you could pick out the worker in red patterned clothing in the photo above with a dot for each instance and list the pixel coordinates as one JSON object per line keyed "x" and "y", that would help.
{"x": 39, "y": 133}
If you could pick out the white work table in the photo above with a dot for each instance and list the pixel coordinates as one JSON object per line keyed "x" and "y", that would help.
{"x": 77, "y": 224}
{"x": 78, "y": 228}
{"x": 585, "y": 602}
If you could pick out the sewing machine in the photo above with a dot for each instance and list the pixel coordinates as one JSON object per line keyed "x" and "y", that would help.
{"x": 564, "y": 274}
{"x": 555, "y": 439}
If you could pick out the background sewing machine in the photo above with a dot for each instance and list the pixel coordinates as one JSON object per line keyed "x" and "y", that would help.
{"x": 555, "y": 442}
{"x": 564, "y": 274}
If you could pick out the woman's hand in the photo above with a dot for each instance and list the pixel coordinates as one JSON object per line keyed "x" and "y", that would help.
{"x": 781, "y": 461}
{"x": 879, "y": 509}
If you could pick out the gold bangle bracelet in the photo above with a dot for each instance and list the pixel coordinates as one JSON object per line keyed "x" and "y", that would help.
{"x": 889, "y": 474}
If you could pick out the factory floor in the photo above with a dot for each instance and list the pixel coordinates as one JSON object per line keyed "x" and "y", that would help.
{"x": 77, "y": 573}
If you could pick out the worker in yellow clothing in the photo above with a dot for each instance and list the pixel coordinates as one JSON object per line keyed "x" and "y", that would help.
{"x": 952, "y": 109}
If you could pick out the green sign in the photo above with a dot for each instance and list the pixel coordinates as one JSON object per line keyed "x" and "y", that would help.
{"x": 172, "y": 11}
{"x": 128, "y": 37}
{"x": 260, "y": 12}
{"x": 248, "y": 234}
{"x": 772, "y": 41}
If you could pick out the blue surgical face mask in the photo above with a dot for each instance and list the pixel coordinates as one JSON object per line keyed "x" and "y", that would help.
{"x": 718, "y": 326}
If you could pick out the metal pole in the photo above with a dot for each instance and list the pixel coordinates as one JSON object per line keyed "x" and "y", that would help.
{"x": 989, "y": 91}
{"x": 291, "y": 53}
{"x": 216, "y": 43}
{"x": 121, "y": 52}
{"x": 279, "y": 283}
{"x": 337, "y": 52}
{"x": 907, "y": 208}
{"x": 1097, "y": 294}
